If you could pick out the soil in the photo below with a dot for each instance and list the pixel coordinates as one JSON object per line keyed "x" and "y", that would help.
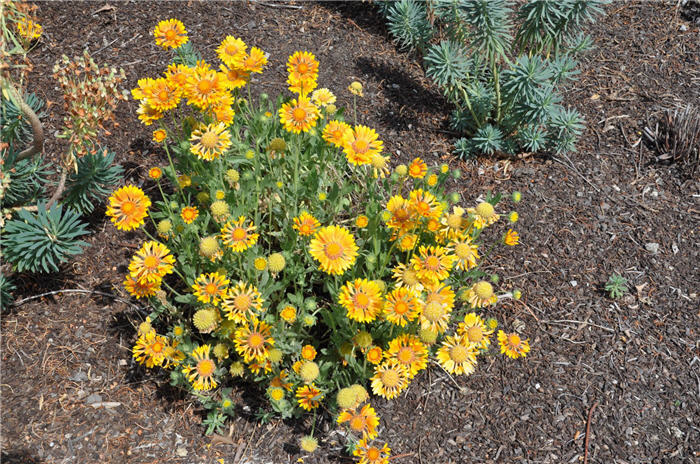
{"x": 72, "y": 394}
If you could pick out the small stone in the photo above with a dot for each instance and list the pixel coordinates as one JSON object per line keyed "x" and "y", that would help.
{"x": 573, "y": 283}
{"x": 683, "y": 28}
{"x": 78, "y": 376}
{"x": 181, "y": 451}
{"x": 652, "y": 247}
{"x": 94, "y": 398}
{"x": 675, "y": 249}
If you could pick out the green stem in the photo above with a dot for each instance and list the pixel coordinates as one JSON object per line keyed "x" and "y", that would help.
{"x": 497, "y": 83}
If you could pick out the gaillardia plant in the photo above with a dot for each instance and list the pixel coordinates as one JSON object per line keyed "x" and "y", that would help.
{"x": 285, "y": 250}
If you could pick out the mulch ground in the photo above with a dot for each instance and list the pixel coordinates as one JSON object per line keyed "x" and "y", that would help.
{"x": 71, "y": 393}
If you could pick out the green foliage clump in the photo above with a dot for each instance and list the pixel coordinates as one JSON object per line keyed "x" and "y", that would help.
{"x": 39, "y": 242}
{"x": 616, "y": 286}
{"x": 502, "y": 68}
{"x": 96, "y": 176}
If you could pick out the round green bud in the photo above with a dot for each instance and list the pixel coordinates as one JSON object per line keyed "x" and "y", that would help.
{"x": 516, "y": 196}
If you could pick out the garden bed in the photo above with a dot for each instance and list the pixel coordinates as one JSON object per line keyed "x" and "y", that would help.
{"x": 72, "y": 393}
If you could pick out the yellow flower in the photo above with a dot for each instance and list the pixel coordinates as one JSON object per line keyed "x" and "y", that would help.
{"x": 309, "y": 397}
{"x": 409, "y": 352}
{"x": 260, "y": 263}
{"x": 236, "y": 77}
{"x": 210, "y": 143}
{"x": 361, "y": 144}
{"x": 432, "y": 180}
{"x": 231, "y": 49}
{"x": 237, "y": 236}
{"x": 210, "y": 288}
{"x": 417, "y": 169}
{"x": 335, "y": 131}
{"x": 475, "y": 331}
{"x": 201, "y": 375}
{"x": 308, "y": 352}
{"x": 189, "y": 214}
{"x": 128, "y": 206}
{"x": 170, "y": 33}
{"x": 406, "y": 276}
{"x": 355, "y": 88}
{"x": 205, "y": 87}
{"x": 159, "y": 135}
{"x": 481, "y": 295}
{"x": 298, "y": 115}
{"x": 361, "y": 221}
{"x": 435, "y": 316}
{"x": 390, "y": 379}
{"x": 513, "y": 217}
{"x": 140, "y": 289}
{"x": 323, "y": 97}
{"x": 184, "y": 181}
{"x": 407, "y": 242}
{"x": 425, "y": 205}
{"x": 374, "y": 355}
{"x": 466, "y": 253}
{"x": 511, "y": 238}
{"x": 150, "y": 349}
{"x": 289, "y": 314}
{"x": 252, "y": 62}
{"x": 148, "y": 114}
{"x": 151, "y": 263}
{"x": 155, "y": 173}
{"x": 512, "y": 345}
{"x": 334, "y": 248}
{"x": 371, "y": 454}
{"x": 161, "y": 96}
{"x": 253, "y": 341}
{"x": 364, "y": 421}
{"x": 432, "y": 264}
{"x": 457, "y": 355}
{"x": 302, "y": 68}
{"x": 29, "y": 29}
{"x": 401, "y": 306}
{"x": 241, "y": 302}
{"x": 176, "y": 76}
{"x": 483, "y": 215}
{"x": 362, "y": 300}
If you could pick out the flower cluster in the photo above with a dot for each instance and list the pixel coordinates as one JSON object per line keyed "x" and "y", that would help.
{"x": 299, "y": 259}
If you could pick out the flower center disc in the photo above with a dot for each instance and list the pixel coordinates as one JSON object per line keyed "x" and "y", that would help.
{"x": 209, "y": 140}
{"x": 361, "y": 300}
{"x": 157, "y": 347}
{"x": 462, "y": 250}
{"x": 357, "y": 424}
{"x": 514, "y": 340}
{"x": 239, "y": 234}
{"x": 170, "y": 34}
{"x": 204, "y": 86}
{"x": 401, "y": 307}
{"x": 360, "y": 146}
{"x": 433, "y": 311}
{"x": 242, "y": 302}
{"x": 432, "y": 263}
{"x": 390, "y": 378}
{"x": 299, "y": 114}
{"x": 205, "y": 367}
{"x": 256, "y": 340}
{"x": 151, "y": 262}
{"x": 372, "y": 454}
{"x": 334, "y": 250}
{"x": 128, "y": 207}
{"x": 405, "y": 355}
{"x": 211, "y": 289}
{"x": 459, "y": 354}
{"x": 475, "y": 334}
